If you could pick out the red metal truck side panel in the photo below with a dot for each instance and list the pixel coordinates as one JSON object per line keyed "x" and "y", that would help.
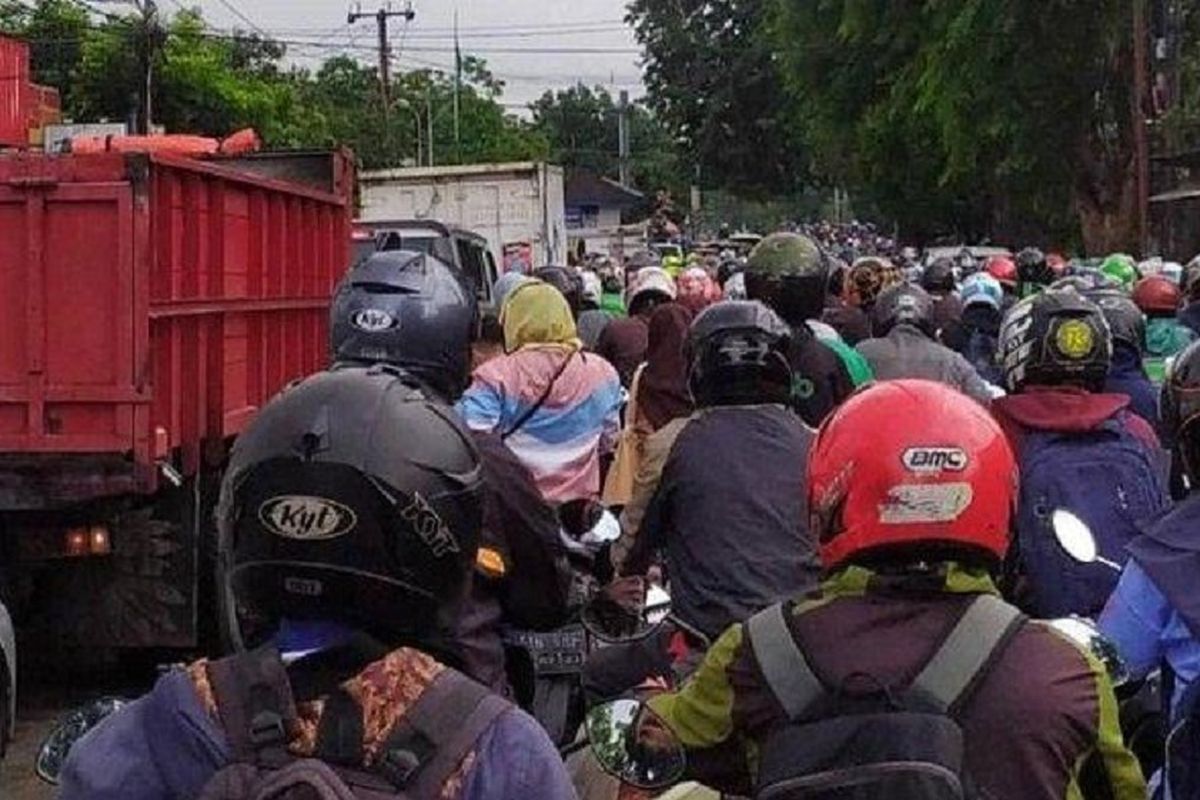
{"x": 149, "y": 305}
{"x": 71, "y": 295}
{"x": 14, "y": 75}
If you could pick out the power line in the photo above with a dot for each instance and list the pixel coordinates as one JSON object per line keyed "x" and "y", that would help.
{"x": 472, "y": 30}
{"x": 232, "y": 9}
{"x": 427, "y": 35}
{"x": 319, "y": 44}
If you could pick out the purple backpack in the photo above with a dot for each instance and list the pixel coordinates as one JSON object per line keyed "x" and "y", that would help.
{"x": 1108, "y": 478}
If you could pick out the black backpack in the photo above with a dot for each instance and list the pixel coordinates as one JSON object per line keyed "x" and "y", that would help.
{"x": 256, "y": 709}
{"x": 874, "y": 742}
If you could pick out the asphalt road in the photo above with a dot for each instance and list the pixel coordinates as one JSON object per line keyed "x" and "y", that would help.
{"x": 45, "y": 694}
{"x": 35, "y": 719}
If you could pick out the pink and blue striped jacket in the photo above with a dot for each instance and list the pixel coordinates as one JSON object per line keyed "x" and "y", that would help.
{"x": 562, "y": 442}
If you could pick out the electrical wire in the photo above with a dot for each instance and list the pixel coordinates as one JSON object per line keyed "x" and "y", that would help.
{"x": 547, "y": 28}
{"x": 232, "y": 9}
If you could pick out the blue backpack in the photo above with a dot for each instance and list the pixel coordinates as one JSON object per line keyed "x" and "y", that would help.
{"x": 1109, "y": 479}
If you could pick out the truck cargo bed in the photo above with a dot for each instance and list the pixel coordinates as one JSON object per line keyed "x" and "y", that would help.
{"x": 150, "y": 304}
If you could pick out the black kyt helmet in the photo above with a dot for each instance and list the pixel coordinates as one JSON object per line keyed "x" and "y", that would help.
{"x": 1125, "y": 320}
{"x": 410, "y": 310}
{"x": 939, "y": 276}
{"x": 352, "y": 498}
{"x": 568, "y": 282}
{"x": 737, "y": 352}
{"x": 1033, "y": 269}
{"x": 790, "y": 273}
{"x": 1054, "y": 338}
{"x": 908, "y": 304}
{"x": 1181, "y": 409}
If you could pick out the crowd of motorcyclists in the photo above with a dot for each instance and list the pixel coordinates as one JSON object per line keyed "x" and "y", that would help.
{"x": 856, "y": 475}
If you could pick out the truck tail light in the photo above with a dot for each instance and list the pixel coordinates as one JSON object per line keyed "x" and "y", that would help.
{"x": 91, "y": 540}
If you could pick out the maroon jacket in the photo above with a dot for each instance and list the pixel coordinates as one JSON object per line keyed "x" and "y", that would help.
{"x": 1067, "y": 409}
{"x": 623, "y": 344}
{"x": 1040, "y": 713}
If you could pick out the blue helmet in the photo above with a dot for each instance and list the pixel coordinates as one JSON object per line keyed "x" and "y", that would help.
{"x": 981, "y": 288}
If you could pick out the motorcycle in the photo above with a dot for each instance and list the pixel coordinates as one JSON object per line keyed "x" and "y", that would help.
{"x": 545, "y": 666}
{"x": 52, "y": 755}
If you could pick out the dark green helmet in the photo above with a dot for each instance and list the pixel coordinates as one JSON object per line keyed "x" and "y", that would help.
{"x": 789, "y": 273}
{"x": 1124, "y": 318}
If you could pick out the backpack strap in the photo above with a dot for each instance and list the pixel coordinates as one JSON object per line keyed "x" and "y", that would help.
{"x": 963, "y": 658}
{"x": 439, "y": 730}
{"x": 788, "y": 674}
{"x": 255, "y": 704}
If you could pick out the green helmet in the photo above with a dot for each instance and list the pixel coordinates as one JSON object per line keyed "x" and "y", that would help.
{"x": 786, "y": 254}
{"x": 1121, "y": 269}
{"x": 790, "y": 274}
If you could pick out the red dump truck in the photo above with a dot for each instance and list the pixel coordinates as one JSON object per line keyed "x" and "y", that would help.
{"x": 149, "y": 305}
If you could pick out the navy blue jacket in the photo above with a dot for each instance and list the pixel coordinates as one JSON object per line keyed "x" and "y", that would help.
{"x": 1128, "y": 377}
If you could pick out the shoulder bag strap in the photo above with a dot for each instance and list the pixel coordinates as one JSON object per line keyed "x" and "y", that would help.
{"x": 541, "y": 401}
{"x": 793, "y": 682}
{"x": 631, "y": 408}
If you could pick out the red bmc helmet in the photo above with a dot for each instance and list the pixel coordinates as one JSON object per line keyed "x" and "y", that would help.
{"x": 911, "y": 463}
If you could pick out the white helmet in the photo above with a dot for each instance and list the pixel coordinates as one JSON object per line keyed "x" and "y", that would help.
{"x": 649, "y": 279}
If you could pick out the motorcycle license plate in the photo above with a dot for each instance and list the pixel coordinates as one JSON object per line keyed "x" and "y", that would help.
{"x": 554, "y": 652}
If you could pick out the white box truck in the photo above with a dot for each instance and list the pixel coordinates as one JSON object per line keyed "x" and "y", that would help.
{"x": 517, "y": 207}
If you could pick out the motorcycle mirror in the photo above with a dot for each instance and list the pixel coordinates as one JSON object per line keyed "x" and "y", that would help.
{"x": 606, "y": 530}
{"x": 611, "y": 623}
{"x": 1075, "y": 537}
{"x": 1087, "y": 635}
{"x": 634, "y": 745}
{"x": 69, "y": 730}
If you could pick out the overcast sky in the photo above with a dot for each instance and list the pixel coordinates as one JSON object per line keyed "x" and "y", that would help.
{"x": 526, "y": 29}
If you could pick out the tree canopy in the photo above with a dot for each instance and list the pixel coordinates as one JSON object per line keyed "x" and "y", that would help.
{"x": 968, "y": 117}
{"x": 711, "y": 78}
{"x": 581, "y": 125}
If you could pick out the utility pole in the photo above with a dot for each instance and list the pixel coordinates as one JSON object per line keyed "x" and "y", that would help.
{"x": 385, "y": 53}
{"x": 429, "y": 123}
{"x": 385, "y": 56}
{"x": 150, "y": 40}
{"x": 150, "y": 34}
{"x": 623, "y": 137}
{"x": 1141, "y": 140}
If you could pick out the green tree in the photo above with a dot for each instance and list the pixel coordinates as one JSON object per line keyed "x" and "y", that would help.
{"x": 1011, "y": 116}
{"x": 214, "y": 84}
{"x": 56, "y": 30}
{"x": 712, "y": 82}
{"x": 580, "y": 125}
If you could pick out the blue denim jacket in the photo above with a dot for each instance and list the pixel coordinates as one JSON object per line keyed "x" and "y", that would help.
{"x": 1147, "y": 631}
{"x": 165, "y": 746}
